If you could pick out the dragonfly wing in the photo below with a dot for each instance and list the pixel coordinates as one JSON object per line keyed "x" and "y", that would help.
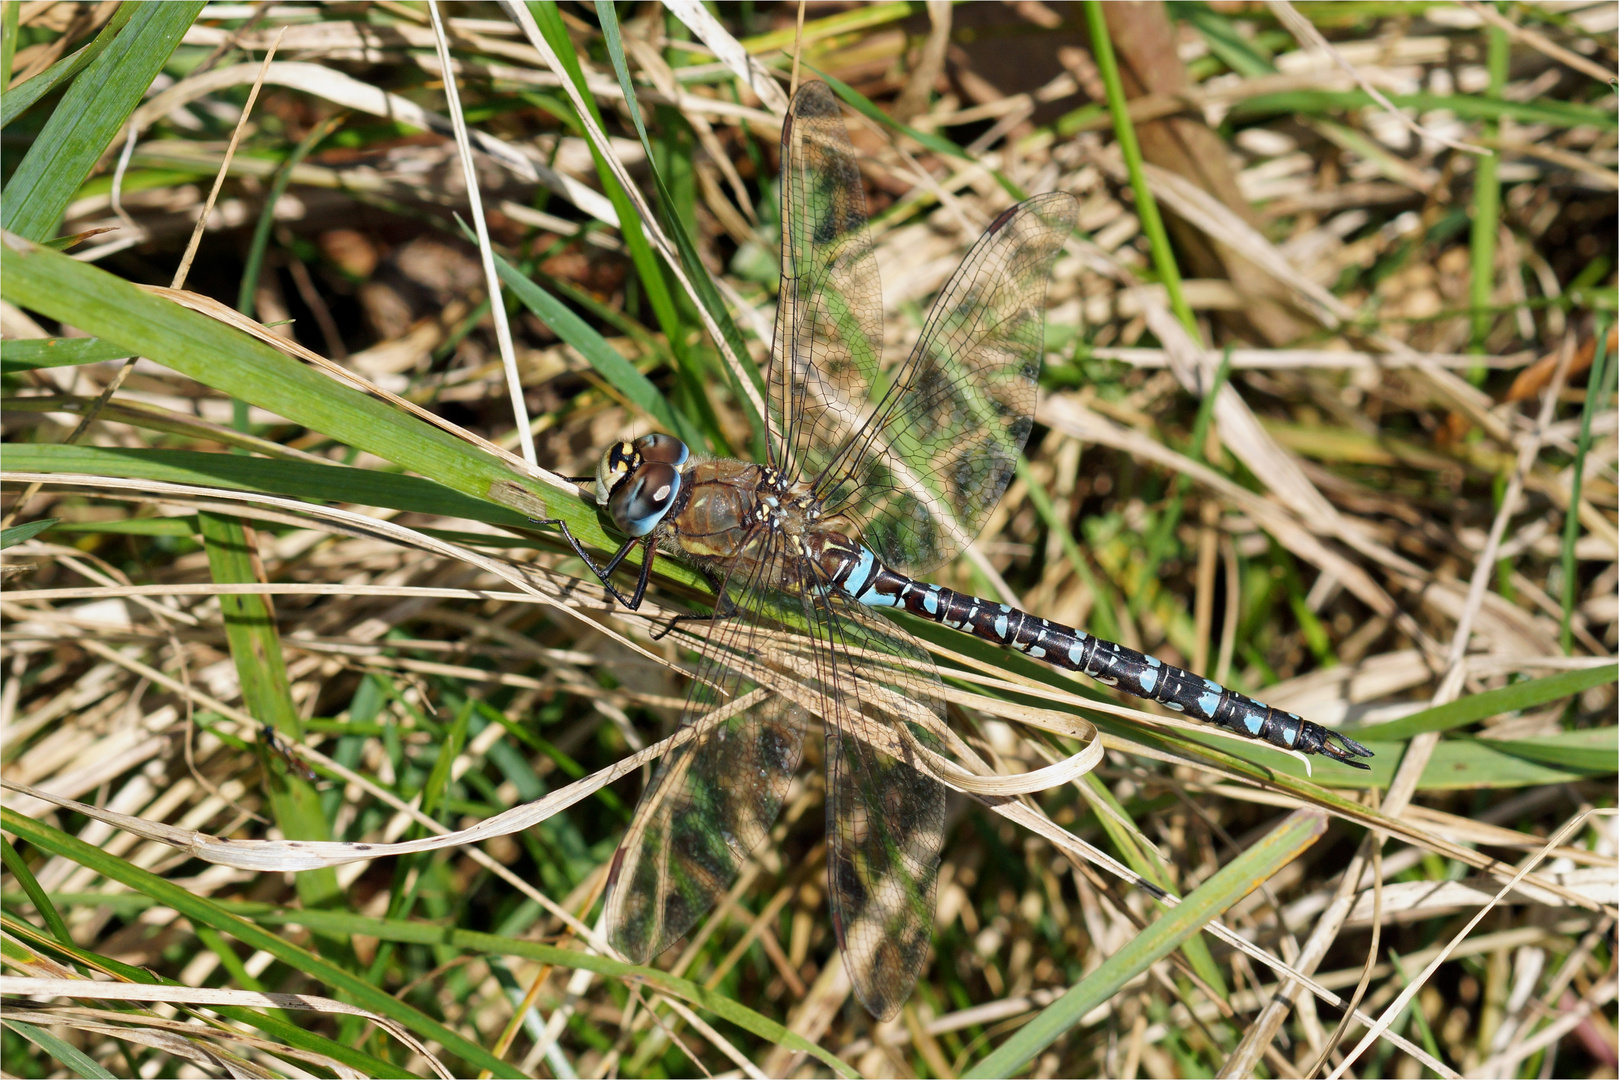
{"x": 713, "y": 798}
{"x": 885, "y": 814}
{"x": 946, "y": 436}
{"x": 829, "y": 315}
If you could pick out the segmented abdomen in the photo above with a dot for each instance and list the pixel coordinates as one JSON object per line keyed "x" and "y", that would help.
{"x": 857, "y": 571}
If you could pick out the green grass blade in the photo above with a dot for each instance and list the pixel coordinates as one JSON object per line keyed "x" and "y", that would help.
{"x": 437, "y": 788}
{"x": 254, "y": 264}
{"x": 9, "y": 14}
{"x": 1146, "y": 861}
{"x": 243, "y": 367}
{"x": 207, "y": 912}
{"x": 1468, "y": 710}
{"x": 18, "y": 866}
{"x": 90, "y": 115}
{"x": 1207, "y": 902}
{"x": 18, "y": 100}
{"x": 313, "y": 483}
{"x": 175, "y": 527}
{"x": 1152, "y": 225}
{"x": 1456, "y": 763}
{"x": 1239, "y": 53}
{"x": 843, "y": 22}
{"x": 32, "y": 353}
{"x": 63, "y": 1051}
{"x": 629, "y": 218}
{"x": 150, "y": 416}
{"x": 1594, "y": 388}
{"x": 620, "y": 374}
{"x": 615, "y": 50}
{"x": 18, "y": 533}
{"x": 255, "y": 648}
{"x": 250, "y": 630}
{"x": 1590, "y": 750}
{"x": 1559, "y": 114}
{"x": 295, "y": 479}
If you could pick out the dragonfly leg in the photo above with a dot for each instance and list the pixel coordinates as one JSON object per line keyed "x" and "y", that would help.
{"x": 604, "y": 573}
{"x": 276, "y": 745}
{"x": 723, "y": 608}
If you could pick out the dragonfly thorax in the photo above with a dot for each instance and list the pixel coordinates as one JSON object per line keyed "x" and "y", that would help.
{"x": 638, "y": 482}
{"x": 787, "y": 507}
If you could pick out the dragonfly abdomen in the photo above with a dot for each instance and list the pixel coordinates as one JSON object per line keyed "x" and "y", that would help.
{"x": 871, "y": 583}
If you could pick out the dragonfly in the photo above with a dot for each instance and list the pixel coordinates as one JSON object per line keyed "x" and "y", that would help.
{"x": 875, "y": 476}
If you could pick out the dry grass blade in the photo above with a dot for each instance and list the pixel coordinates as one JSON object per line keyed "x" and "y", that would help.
{"x": 497, "y": 306}
{"x": 1308, "y": 35}
{"x": 189, "y": 995}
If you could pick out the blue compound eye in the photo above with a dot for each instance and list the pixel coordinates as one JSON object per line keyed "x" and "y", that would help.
{"x": 637, "y": 505}
{"x": 664, "y": 448}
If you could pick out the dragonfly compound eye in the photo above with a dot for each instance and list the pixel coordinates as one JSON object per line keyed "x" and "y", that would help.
{"x": 638, "y": 505}
{"x": 664, "y": 448}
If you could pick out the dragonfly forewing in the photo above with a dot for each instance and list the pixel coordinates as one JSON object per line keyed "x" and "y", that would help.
{"x": 829, "y": 315}
{"x": 924, "y": 476}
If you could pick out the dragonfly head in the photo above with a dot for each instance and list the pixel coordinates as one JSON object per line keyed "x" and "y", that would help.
{"x": 637, "y": 482}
